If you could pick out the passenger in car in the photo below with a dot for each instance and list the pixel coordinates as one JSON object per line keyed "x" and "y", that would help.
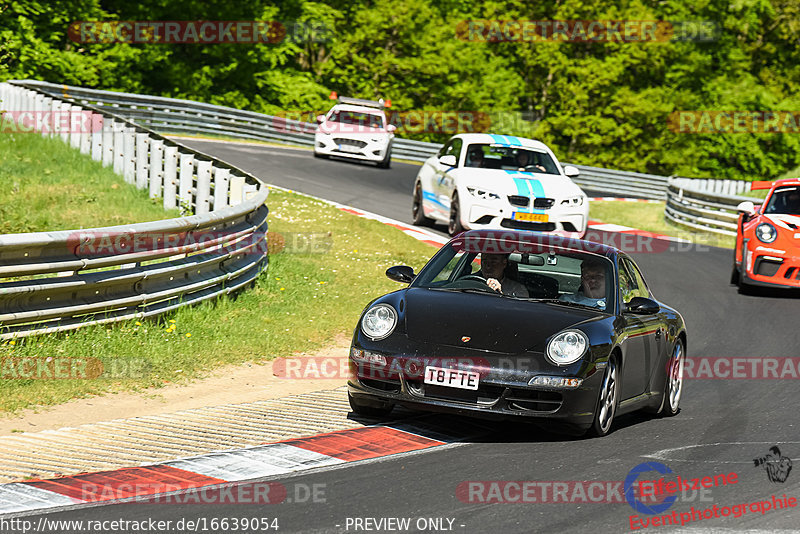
{"x": 592, "y": 291}
{"x": 475, "y": 157}
{"x": 494, "y": 268}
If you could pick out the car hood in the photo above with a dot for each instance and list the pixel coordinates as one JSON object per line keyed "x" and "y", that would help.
{"x": 491, "y": 322}
{"x": 529, "y": 184}
{"x": 787, "y": 222}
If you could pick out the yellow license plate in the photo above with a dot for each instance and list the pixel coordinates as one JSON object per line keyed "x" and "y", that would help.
{"x": 532, "y": 217}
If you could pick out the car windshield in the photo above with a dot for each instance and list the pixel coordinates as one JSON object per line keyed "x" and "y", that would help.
{"x": 509, "y": 158}
{"x": 522, "y": 271}
{"x": 358, "y": 118}
{"x": 784, "y": 201}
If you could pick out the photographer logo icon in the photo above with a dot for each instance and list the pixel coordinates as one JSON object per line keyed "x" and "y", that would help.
{"x": 777, "y": 467}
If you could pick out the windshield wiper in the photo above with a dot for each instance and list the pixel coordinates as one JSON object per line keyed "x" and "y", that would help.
{"x": 568, "y": 303}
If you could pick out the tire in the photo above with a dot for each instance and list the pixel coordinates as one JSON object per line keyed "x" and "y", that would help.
{"x": 673, "y": 384}
{"x": 607, "y": 400}
{"x": 735, "y": 275}
{"x": 417, "y": 211}
{"x": 378, "y": 409}
{"x": 386, "y": 162}
{"x": 320, "y": 156}
{"x": 454, "y": 226}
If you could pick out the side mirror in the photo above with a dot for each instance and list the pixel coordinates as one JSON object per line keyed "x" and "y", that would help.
{"x": 642, "y": 306}
{"x": 401, "y": 273}
{"x": 571, "y": 171}
{"x": 320, "y": 119}
{"x": 746, "y": 207}
{"x": 448, "y": 160}
{"x": 391, "y": 128}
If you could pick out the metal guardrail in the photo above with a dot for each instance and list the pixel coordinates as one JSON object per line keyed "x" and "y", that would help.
{"x": 59, "y": 281}
{"x": 186, "y": 116}
{"x": 701, "y": 210}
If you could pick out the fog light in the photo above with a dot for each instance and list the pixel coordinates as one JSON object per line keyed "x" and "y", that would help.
{"x": 365, "y": 356}
{"x": 555, "y": 382}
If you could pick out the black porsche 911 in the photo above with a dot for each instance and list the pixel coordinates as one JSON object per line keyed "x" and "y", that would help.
{"x": 516, "y": 324}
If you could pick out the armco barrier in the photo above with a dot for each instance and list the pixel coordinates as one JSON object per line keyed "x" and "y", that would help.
{"x": 700, "y": 210}
{"x": 186, "y": 116}
{"x": 57, "y": 281}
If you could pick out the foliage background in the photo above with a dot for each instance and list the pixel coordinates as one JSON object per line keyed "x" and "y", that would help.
{"x": 603, "y": 104}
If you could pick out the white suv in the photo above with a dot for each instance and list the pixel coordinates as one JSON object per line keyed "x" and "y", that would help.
{"x": 357, "y": 129}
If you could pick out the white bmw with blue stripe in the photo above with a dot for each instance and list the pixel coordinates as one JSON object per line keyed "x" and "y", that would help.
{"x": 499, "y": 181}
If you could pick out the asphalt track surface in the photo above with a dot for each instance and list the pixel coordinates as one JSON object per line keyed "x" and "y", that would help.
{"x": 723, "y": 424}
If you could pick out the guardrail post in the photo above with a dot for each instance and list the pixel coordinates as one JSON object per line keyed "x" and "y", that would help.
{"x": 86, "y": 137}
{"x": 170, "y": 177}
{"x": 237, "y": 190}
{"x": 97, "y": 140}
{"x": 203, "y": 187}
{"x": 108, "y": 142}
{"x": 221, "y": 187}
{"x": 129, "y": 156}
{"x": 156, "y": 167}
{"x": 141, "y": 159}
{"x": 76, "y": 126}
{"x": 186, "y": 181}
{"x": 119, "y": 150}
{"x": 37, "y": 109}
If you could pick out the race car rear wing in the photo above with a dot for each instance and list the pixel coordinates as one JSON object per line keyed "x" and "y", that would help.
{"x": 362, "y": 102}
{"x": 761, "y": 185}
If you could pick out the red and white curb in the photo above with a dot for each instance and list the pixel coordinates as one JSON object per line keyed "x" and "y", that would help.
{"x": 234, "y": 466}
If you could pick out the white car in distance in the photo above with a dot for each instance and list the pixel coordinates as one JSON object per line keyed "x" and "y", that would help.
{"x": 357, "y": 129}
{"x": 493, "y": 181}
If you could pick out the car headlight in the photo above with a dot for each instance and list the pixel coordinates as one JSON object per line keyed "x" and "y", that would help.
{"x": 766, "y": 233}
{"x": 379, "y": 321}
{"x": 482, "y": 193}
{"x": 567, "y": 347}
{"x": 573, "y": 201}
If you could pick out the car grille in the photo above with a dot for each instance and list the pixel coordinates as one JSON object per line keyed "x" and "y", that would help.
{"x": 765, "y": 267}
{"x": 351, "y": 142}
{"x": 525, "y": 225}
{"x": 535, "y": 400}
{"x": 485, "y": 394}
{"x": 543, "y": 203}
{"x": 392, "y": 386}
{"x": 518, "y": 200}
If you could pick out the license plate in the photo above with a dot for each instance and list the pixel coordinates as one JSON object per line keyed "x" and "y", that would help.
{"x": 349, "y": 148}
{"x": 453, "y": 378}
{"x": 532, "y": 217}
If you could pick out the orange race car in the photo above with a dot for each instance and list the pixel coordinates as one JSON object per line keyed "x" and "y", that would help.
{"x": 768, "y": 238}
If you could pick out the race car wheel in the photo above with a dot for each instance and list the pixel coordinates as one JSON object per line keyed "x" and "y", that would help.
{"x": 674, "y": 381}
{"x": 320, "y": 156}
{"x": 417, "y": 211}
{"x": 606, "y": 401}
{"x": 386, "y": 162}
{"x": 374, "y": 409}
{"x": 454, "y": 225}
{"x": 735, "y": 275}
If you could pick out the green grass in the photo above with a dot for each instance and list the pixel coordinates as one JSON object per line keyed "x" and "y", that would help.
{"x": 301, "y": 303}
{"x": 46, "y": 185}
{"x": 650, "y": 217}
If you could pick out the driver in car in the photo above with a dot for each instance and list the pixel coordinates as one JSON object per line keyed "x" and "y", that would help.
{"x": 493, "y": 269}
{"x": 592, "y": 291}
{"x": 525, "y": 163}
